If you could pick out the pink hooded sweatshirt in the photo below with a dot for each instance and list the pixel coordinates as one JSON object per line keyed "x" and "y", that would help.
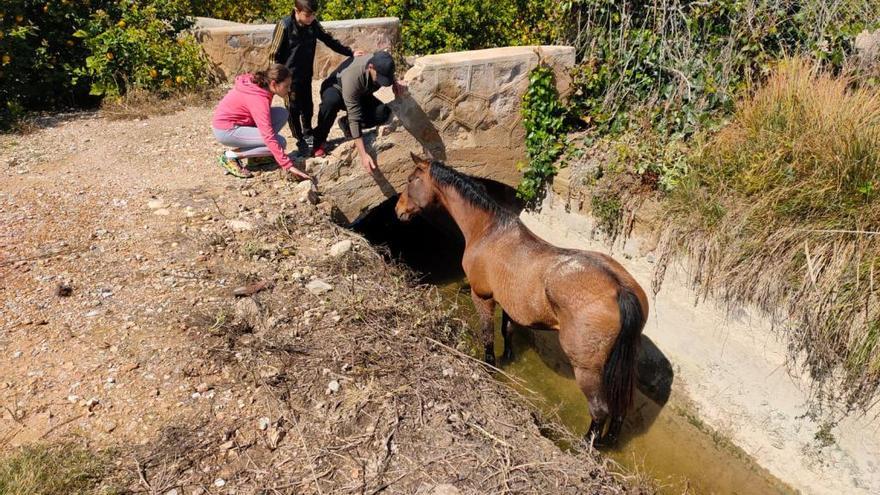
{"x": 247, "y": 105}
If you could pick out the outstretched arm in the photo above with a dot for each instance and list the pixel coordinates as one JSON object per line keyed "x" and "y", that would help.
{"x": 366, "y": 159}
{"x": 331, "y": 42}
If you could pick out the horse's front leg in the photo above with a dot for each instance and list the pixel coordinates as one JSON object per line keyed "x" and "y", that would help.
{"x": 507, "y": 333}
{"x": 486, "y": 311}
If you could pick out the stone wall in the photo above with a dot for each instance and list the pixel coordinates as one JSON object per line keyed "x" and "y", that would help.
{"x": 462, "y": 108}
{"x": 238, "y": 48}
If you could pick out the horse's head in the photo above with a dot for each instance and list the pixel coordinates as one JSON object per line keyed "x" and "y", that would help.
{"x": 419, "y": 191}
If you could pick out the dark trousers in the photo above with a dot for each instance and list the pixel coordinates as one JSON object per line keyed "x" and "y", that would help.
{"x": 301, "y": 109}
{"x": 374, "y": 111}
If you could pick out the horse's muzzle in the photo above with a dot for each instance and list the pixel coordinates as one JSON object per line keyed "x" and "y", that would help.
{"x": 404, "y": 216}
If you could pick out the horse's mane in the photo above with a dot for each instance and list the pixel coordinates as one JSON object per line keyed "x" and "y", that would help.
{"x": 471, "y": 191}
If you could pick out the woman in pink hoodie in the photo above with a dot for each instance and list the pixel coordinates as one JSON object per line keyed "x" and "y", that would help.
{"x": 246, "y": 121}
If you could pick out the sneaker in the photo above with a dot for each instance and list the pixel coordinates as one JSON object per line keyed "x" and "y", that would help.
{"x": 234, "y": 167}
{"x": 319, "y": 151}
{"x": 343, "y": 126}
{"x": 308, "y": 138}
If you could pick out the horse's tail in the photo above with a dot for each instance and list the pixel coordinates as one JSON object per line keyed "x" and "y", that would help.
{"x": 619, "y": 374}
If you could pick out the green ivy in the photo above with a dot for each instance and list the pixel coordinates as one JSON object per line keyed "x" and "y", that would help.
{"x": 544, "y": 120}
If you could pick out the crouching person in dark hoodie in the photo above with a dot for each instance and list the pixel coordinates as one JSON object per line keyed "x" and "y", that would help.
{"x": 350, "y": 87}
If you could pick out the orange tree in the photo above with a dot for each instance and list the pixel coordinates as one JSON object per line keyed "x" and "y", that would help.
{"x": 71, "y": 53}
{"x": 39, "y": 55}
{"x": 142, "y": 44}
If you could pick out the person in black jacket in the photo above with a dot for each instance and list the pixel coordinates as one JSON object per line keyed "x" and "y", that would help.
{"x": 293, "y": 44}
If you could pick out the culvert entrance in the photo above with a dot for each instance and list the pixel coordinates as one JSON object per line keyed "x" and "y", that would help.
{"x": 430, "y": 244}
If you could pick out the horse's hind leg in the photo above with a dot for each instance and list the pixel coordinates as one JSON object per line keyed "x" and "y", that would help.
{"x": 590, "y": 382}
{"x": 507, "y": 332}
{"x": 614, "y": 430}
{"x": 485, "y": 307}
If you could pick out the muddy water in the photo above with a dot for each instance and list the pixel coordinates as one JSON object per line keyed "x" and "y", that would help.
{"x": 662, "y": 438}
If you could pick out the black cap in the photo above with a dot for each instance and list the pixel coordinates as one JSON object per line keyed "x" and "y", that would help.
{"x": 384, "y": 65}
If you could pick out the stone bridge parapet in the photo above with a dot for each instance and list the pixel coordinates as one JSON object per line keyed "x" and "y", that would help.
{"x": 237, "y": 48}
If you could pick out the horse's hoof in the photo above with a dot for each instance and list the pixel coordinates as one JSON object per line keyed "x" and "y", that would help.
{"x": 507, "y": 356}
{"x": 601, "y": 442}
{"x": 490, "y": 358}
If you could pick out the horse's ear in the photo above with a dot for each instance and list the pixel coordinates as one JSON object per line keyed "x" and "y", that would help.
{"x": 419, "y": 161}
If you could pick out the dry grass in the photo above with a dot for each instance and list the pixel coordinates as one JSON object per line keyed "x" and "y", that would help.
{"x": 53, "y": 470}
{"x": 781, "y": 210}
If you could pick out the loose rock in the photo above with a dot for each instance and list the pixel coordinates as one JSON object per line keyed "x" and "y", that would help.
{"x": 318, "y": 287}
{"x": 63, "y": 290}
{"x": 445, "y": 489}
{"x": 306, "y": 192}
{"x": 340, "y": 248}
{"x": 239, "y": 225}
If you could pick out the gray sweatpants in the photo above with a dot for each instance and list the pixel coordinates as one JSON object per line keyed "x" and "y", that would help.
{"x": 248, "y": 140}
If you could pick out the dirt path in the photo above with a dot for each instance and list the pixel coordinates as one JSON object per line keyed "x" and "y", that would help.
{"x": 121, "y": 246}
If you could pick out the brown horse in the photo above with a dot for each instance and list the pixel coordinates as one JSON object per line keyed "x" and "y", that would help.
{"x": 596, "y": 306}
